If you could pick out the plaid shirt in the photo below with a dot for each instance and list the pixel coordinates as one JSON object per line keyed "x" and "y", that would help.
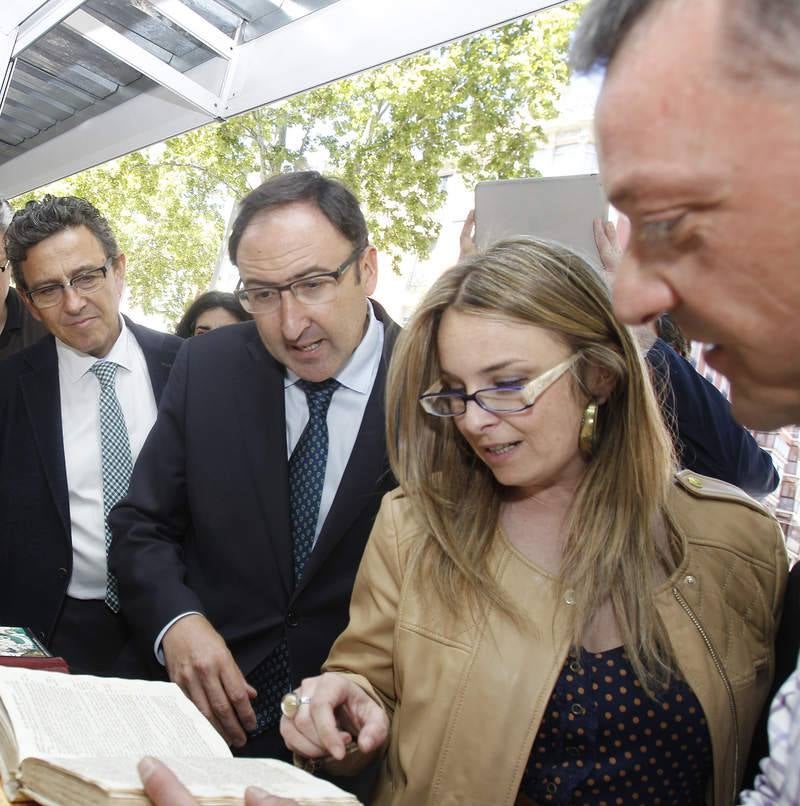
{"x": 779, "y": 781}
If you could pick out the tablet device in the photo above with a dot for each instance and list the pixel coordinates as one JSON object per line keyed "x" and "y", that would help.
{"x": 555, "y": 208}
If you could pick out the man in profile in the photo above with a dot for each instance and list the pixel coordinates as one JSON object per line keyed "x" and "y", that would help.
{"x": 238, "y": 544}
{"x": 698, "y": 126}
{"x": 75, "y": 409}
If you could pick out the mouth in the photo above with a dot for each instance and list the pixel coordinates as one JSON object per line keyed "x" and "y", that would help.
{"x": 500, "y": 450}
{"x": 307, "y": 349}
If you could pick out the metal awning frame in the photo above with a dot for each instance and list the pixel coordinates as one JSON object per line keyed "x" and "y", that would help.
{"x": 341, "y": 39}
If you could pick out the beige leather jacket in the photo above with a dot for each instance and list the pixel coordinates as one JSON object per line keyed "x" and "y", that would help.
{"x": 465, "y": 699}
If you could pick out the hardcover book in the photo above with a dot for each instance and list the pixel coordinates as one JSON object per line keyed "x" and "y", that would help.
{"x": 75, "y": 740}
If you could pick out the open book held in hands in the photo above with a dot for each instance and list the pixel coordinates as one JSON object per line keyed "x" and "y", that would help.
{"x": 20, "y": 647}
{"x": 75, "y": 740}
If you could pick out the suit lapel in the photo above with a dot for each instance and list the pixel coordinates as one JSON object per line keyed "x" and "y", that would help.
{"x": 159, "y": 353}
{"x": 261, "y": 408}
{"x": 40, "y": 390}
{"x": 367, "y": 469}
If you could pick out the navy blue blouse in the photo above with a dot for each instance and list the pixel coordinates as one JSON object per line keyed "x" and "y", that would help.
{"x": 604, "y": 741}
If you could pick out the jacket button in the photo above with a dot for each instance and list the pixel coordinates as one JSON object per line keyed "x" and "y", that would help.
{"x": 577, "y": 709}
{"x": 690, "y": 580}
{"x": 291, "y": 619}
{"x": 569, "y": 597}
{"x": 63, "y": 573}
{"x": 693, "y": 481}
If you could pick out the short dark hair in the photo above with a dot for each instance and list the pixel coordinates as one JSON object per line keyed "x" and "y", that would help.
{"x": 765, "y": 32}
{"x": 38, "y": 220}
{"x": 205, "y": 302}
{"x": 335, "y": 201}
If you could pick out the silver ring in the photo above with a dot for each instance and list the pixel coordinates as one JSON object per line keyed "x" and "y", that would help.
{"x": 291, "y": 702}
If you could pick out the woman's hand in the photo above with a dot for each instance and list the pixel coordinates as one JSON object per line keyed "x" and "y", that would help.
{"x": 338, "y": 713}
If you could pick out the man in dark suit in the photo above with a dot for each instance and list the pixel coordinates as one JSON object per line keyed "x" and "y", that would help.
{"x": 238, "y": 543}
{"x": 56, "y": 456}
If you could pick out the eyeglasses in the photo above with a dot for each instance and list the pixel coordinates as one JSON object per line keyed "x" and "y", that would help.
{"x": 5, "y": 264}
{"x": 87, "y": 282}
{"x": 496, "y": 399}
{"x": 314, "y": 290}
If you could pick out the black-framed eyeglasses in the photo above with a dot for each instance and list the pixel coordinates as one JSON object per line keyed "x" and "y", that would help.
{"x": 87, "y": 282}
{"x": 496, "y": 399}
{"x": 316, "y": 289}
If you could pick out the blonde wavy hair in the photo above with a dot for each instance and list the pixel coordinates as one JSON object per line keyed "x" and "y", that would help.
{"x": 611, "y": 551}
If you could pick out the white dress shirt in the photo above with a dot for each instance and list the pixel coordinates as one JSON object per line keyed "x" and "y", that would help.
{"x": 80, "y": 428}
{"x": 348, "y": 404}
{"x": 778, "y": 784}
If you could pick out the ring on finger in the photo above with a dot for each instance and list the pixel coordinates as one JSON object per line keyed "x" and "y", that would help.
{"x": 291, "y": 702}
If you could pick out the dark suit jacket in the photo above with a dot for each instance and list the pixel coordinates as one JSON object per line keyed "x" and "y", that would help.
{"x": 205, "y": 525}
{"x": 35, "y": 534}
{"x": 707, "y": 438}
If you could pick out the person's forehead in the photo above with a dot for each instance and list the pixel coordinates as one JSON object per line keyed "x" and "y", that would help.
{"x": 658, "y": 102}
{"x": 63, "y": 253}
{"x": 290, "y": 241}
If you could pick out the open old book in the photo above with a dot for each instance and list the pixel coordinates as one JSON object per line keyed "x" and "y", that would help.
{"x": 74, "y": 740}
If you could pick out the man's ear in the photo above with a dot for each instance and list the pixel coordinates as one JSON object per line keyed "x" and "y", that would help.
{"x": 368, "y": 264}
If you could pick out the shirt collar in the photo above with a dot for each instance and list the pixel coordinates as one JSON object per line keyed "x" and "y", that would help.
{"x": 357, "y": 373}
{"x": 73, "y": 364}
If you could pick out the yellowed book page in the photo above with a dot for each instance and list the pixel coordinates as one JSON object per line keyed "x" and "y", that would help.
{"x": 78, "y": 715}
{"x": 209, "y": 780}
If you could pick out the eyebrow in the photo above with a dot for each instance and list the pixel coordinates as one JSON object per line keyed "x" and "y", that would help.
{"x": 311, "y": 271}
{"x": 496, "y": 368}
{"x": 75, "y": 273}
{"x": 638, "y": 186}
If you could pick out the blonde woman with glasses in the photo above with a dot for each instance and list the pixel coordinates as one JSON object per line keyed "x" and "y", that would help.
{"x": 546, "y": 611}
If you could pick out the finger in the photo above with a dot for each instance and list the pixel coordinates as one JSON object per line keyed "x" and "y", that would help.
{"x": 162, "y": 786}
{"x": 330, "y": 737}
{"x": 223, "y": 711}
{"x": 238, "y": 691}
{"x": 306, "y": 744}
{"x": 254, "y": 796}
{"x": 194, "y": 690}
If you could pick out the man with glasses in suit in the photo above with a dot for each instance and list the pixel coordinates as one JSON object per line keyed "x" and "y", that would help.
{"x": 75, "y": 409}
{"x": 238, "y": 544}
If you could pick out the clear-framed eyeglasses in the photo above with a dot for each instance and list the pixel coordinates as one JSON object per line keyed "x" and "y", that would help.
{"x": 86, "y": 282}
{"x": 496, "y": 399}
{"x": 316, "y": 289}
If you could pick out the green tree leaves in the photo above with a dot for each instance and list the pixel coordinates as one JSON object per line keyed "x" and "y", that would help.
{"x": 471, "y": 107}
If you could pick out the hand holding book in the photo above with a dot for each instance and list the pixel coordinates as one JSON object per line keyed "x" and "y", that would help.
{"x": 164, "y": 789}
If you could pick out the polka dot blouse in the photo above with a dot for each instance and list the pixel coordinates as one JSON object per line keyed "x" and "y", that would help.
{"x": 604, "y": 741}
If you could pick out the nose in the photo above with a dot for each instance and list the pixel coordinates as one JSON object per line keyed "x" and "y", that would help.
{"x": 73, "y": 302}
{"x": 294, "y": 318}
{"x": 640, "y": 294}
{"x": 475, "y": 420}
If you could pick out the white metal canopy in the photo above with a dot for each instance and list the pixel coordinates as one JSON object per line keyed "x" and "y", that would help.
{"x": 85, "y": 81}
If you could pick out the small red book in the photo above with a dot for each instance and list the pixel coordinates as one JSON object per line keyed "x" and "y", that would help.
{"x": 20, "y": 647}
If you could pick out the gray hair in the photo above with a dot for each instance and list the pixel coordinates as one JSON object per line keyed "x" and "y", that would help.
{"x": 6, "y": 214}
{"x": 761, "y": 33}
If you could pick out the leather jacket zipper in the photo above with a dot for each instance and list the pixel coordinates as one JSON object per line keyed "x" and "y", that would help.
{"x": 720, "y": 668}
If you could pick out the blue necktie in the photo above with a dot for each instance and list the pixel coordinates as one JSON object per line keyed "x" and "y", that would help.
{"x": 307, "y": 471}
{"x": 116, "y": 463}
{"x": 306, "y": 477}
